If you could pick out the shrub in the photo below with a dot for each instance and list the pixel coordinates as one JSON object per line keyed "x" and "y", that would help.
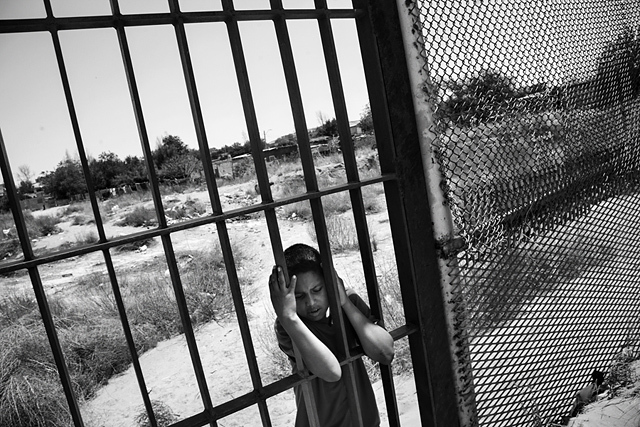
{"x": 82, "y": 220}
{"x": 9, "y": 247}
{"x": 45, "y": 225}
{"x": 139, "y": 217}
{"x": 87, "y": 237}
{"x": 188, "y": 209}
{"x": 162, "y": 412}
{"x": 135, "y": 245}
{"x": 341, "y": 231}
{"x": 30, "y": 389}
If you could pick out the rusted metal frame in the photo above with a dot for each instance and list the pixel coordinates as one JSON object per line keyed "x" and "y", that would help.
{"x": 38, "y": 288}
{"x": 186, "y": 225}
{"x": 455, "y": 323}
{"x": 410, "y": 218}
{"x": 214, "y": 197}
{"x": 144, "y": 19}
{"x": 357, "y": 205}
{"x": 295, "y": 99}
{"x": 162, "y": 222}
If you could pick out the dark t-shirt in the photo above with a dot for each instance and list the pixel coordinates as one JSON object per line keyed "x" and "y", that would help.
{"x": 331, "y": 397}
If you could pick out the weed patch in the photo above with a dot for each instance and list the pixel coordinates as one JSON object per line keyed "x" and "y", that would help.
{"x": 139, "y": 217}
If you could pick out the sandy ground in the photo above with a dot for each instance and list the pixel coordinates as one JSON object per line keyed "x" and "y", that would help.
{"x": 167, "y": 368}
{"x": 623, "y": 410}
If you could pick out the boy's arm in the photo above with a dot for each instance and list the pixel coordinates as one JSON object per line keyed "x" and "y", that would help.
{"x": 317, "y": 356}
{"x": 375, "y": 340}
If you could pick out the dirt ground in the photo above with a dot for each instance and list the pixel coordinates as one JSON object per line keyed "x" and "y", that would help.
{"x": 167, "y": 368}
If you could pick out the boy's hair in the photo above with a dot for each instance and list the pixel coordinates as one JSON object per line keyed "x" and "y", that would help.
{"x": 301, "y": 258}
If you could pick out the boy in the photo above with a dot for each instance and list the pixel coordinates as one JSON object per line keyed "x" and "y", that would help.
{"x": 303, "y": 318}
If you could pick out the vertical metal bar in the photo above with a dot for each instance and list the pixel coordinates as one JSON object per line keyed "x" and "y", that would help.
{"x": 247, "y": 102}
{"x": 295, "y": 97}
{"x": 98, "y": 218}
{"x": 357, "y": 205}
{"x": 261, "y": 170}
{"x": 38, "y": 289}
{"x": 75, "y": 125}
{"x": 166, "y": 239}
{"x": 223, "y": 234}
{"x": 135, "y": 361}
{"x": 443, "y": 233}
{"x": 385, "y": 67}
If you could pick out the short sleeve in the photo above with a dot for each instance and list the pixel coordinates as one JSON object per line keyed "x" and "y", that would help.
{"x": 362, "y": 306}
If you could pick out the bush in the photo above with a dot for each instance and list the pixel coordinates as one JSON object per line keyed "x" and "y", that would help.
{"x": 9, "y": 248}
{"x": 42, "y": 225}
{"x": 189, "y": 209}
{"x": 162, "y": 412}
{"x": 87, "y": 237}
{"x": 139, "y": 217}
{"x": 341, "y": 231}
{"x": 30, "y": 389}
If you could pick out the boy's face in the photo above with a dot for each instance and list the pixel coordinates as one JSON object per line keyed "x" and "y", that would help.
{"x": 312, "y": 301}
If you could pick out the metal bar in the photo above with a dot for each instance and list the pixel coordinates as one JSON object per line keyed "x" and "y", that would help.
{"x": 413, "y": 238}
{"x": 38, "y": 289}
{"x": 98, "y": 220}
{"x": 186, "y": 225}
{"x": 157, "y": 199}
{"x": 247, "y": 103}
{"x": 442, "y": 221}
{"x": 357, "y": 205}
{"x": 135, "y": 361}
{"x": 133, "y": 20}
{"x": 295, "y": 98}
{"x": 216, "y": 205}
{"x": 139, "y": 116}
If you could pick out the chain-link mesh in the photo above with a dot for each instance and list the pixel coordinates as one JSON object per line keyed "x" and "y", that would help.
{"x": 537, "y": 110}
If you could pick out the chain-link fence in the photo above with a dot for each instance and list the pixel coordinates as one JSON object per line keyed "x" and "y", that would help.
{"x": 536, "y": 111}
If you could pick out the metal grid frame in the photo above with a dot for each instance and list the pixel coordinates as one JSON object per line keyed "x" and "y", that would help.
{"x": 535, "y": 197}
{"x": 401, "y": 176}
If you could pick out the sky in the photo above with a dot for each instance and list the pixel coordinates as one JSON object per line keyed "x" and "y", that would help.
{"x": 34, "y": 118}
{"x": 531, "y": 41}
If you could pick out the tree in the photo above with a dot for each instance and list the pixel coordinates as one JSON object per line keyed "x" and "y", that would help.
{"x": 66, "y": 181}
{"x": 480, "y": 97}
{"x": 105, "y": 170}
{"x": 179, "y": 167}
{"x": 25, "y": 185}
{"x": 618, "y": 74}
{"x": 366, "y": 120}
{"x": 170, "y": 146}
{"x": 328, "y": 128}
{"x": 134, "y": 171}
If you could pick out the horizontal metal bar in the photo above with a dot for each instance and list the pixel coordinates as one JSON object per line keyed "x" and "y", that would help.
{"x": 275, "y": 388}
{"x": 186, "y": 225}
{"x": 135, "y": 20}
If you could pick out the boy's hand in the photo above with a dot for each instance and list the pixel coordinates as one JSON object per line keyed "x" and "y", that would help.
{"x": 283, "y": 297}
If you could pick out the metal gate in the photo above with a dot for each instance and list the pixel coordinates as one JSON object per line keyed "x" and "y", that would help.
{"x": 401, "y": 176}
{"x": 528, "y": 113}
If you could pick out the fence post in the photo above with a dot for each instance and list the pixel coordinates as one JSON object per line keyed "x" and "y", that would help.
{"x": 424, "y": 96}
{"x": 448, "y": 400}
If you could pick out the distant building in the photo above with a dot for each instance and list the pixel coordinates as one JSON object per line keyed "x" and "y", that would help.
{"x": 355, "y": 128}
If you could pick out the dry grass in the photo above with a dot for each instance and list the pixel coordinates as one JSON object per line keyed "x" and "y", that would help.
{"x": 91, "y": 334}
